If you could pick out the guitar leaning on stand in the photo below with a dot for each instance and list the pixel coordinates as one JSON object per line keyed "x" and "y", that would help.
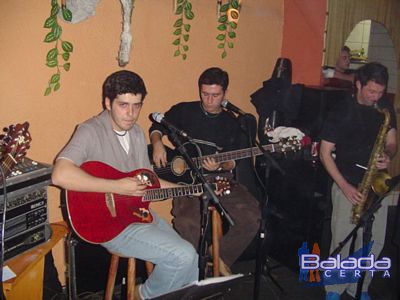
{"x": 13, "y": 145}
{"x": 99, "y": 217}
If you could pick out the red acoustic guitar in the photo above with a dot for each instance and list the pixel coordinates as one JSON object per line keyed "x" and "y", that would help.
{"x": 99, "y": 217}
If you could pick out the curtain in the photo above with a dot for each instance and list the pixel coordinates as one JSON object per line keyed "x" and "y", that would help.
{"x": 343, "y": 16}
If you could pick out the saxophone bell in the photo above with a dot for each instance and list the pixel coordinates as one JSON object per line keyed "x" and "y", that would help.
{"x": 392, "y": 182}
{"x": 380, "y": 182}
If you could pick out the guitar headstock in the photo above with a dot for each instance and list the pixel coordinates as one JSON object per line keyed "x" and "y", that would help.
{"x": 15, "y": 141}
{"x": 147, "y": 177}
{"x": 223, "y": 185}
{"x": 290, "y": 144}
{"x": 288, "y": 138}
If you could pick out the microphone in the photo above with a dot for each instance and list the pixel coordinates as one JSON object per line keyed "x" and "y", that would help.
{"x": 391, "y": 183}
{"x": 160, "y": 118}
{"x": 229, "y": 106}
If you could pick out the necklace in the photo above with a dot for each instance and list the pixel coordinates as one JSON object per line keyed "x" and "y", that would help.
{"x": 209, "y": 115}
{"x": 120, "y": 134}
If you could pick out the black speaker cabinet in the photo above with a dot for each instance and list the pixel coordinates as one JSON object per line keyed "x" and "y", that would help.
{"x": 315, "y": 104}
{"x": 91, "y": 264}
{"x": 296, "y": 210}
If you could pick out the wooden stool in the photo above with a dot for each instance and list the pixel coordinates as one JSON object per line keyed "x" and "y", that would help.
{"x": 131, "y": 276}
{"x": 216, "y": 237}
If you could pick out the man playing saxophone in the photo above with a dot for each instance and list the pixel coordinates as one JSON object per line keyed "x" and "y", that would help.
{"x": 351, "y": 132}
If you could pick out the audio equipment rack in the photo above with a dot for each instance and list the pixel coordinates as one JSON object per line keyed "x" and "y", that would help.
{"x": 27, "y": 223}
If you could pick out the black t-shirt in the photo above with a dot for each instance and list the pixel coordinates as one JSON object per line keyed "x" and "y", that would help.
{"x": 353, "y": 128}
{"x": 221, "y": 129}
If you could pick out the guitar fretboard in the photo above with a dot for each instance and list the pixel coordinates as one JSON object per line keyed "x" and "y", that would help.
{"x": 238, "y": 154}
{"x": 165, "y": 193}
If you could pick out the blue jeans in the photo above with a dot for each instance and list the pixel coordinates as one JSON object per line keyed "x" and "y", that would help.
{"x": 242, "y": 207}
{"x": 176, "y": 261}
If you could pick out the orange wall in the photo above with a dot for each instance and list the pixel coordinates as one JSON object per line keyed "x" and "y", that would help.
{"x": 23, "y": 74}
{"x": 303, "y": 31}
{"x": 259, "y": 42}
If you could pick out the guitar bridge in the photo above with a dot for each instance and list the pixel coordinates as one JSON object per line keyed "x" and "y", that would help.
{"x": 111, "y": 204}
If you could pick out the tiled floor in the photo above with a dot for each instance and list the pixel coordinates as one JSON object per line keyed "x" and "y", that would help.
{"x": 288, "y": 280}
{"x": 287, "y": 277}
{"x": 380, "y": 289}
{"x": 283, "y": 272}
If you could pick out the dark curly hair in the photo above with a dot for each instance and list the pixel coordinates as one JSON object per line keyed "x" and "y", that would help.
{"x": 123, "y": 82}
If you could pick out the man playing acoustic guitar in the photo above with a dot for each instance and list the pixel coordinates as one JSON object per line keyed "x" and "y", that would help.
{"x": 93, "y": 162}
{"x": 206, "y": 120}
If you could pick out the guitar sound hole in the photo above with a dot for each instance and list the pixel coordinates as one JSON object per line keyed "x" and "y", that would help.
{"x": 178, "y": 166}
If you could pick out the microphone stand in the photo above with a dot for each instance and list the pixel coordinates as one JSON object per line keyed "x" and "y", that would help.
{"x": 261, "y": 251}
{"x": 261, "y": 259}
{"x": 208, "y": 194}
{"x": 366, "y": 221}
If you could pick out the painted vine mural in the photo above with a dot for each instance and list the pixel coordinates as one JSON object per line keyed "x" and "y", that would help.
{"x": 58, "y": 56}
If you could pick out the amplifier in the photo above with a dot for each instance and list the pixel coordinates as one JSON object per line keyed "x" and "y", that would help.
{"x": 26, "y": 240}
{"x": 27, "y": 222}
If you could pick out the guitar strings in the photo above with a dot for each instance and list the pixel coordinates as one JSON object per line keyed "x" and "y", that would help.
{"x": 169, "y": 167}
{"x": 9, "y": 160}
{"x": 187, "y": 190}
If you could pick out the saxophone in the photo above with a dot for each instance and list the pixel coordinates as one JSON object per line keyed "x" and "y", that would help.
{"x": 373, "y": 182}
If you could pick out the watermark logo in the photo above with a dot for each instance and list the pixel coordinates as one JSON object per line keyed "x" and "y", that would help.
{"x": 336, "y": 270}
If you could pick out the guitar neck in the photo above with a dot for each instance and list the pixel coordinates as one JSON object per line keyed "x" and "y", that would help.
{"x": 165, "y": 193}
{"x": 238, "y": 154}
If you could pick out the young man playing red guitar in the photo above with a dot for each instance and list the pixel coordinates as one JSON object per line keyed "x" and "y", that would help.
{"x": 95, "y": 163}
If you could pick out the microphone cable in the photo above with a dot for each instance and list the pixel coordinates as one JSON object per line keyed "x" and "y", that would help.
{"x": 199, "y": 155}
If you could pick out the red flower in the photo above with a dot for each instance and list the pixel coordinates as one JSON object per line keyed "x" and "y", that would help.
{"x": 305, "y": 141}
